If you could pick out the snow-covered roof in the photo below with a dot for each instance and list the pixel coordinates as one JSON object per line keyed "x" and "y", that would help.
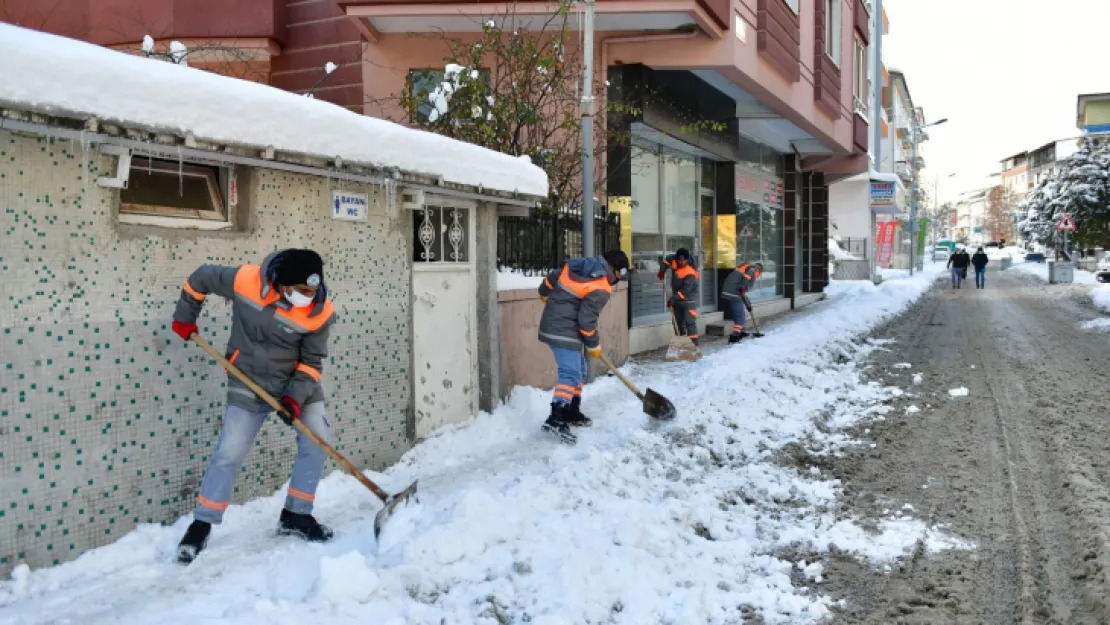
{"x": 882, "y": 176}
{"x": 61, "y": 77}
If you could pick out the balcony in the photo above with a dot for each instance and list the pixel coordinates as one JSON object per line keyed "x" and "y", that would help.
{"x": 460, "y": 16}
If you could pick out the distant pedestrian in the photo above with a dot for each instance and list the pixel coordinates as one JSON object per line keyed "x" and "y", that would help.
{"x": 958, "y": 262}
{"x": 684, "y": 292}
{"x": 980, "y": 260}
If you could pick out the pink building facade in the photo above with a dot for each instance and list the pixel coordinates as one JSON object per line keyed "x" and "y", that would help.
{"x": 779, "y": 79}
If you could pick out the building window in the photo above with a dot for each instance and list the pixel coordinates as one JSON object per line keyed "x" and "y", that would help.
{"x": 832, "y": 30}
{"x": 421, "y": 83}
{"x": 441, "y": 234}
{"x": 177, "y": 190}
{"x": 861, "y": 78}
{"x": 793, "y": 4}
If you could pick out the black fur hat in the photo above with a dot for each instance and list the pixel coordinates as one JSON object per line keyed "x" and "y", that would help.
{"x": 294, "y": 267}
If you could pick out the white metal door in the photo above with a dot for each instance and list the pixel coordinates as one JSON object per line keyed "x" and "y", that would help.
{"x": 444, "y": 289}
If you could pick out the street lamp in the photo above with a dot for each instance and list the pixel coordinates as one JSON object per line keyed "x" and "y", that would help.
{"x": 913, "y": 192}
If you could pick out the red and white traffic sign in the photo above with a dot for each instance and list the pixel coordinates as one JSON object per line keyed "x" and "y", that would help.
{"x": 1066, "y": 223}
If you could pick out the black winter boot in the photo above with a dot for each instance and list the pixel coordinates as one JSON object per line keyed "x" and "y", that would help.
{"x": 557, "y": 424}
{"x": 574, "y": 414}
{"x": 194, "y": 541}
{"x": 303, "y": 526}
{"x": 733, "y": 339}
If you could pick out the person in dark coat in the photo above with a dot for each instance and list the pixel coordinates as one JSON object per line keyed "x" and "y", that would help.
{"x": 958, "y": 262}
{"x": 574, "y": 296}
{"x": 684, "y": 291}
{"x": 980, "y": 260}
{"x": 734, "y": 291}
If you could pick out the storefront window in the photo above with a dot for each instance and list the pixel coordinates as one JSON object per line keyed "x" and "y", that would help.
{"x": 667, "y": 213}
{"x": 759, "y": 228}
{"x": 649, "y": 302}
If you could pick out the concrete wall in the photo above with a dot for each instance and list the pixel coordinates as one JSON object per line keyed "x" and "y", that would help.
{"x": 106, "y": 419}
{"x": 525, "y": 361}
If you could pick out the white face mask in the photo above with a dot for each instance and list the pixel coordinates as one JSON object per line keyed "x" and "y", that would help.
{"x": 297, "y": 299}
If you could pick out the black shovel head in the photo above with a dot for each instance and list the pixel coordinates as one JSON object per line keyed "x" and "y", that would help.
{"x": 658, "y": 407}
{"x": 390, "y": 507}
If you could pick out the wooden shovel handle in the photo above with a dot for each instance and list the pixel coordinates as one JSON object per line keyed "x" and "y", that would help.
{"x": 297, "y": 423}
{"x": 632, "y": 387}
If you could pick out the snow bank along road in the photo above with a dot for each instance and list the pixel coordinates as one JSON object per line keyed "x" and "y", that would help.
{"x": 694, "y": 522}
{"x": 1019, "y": 466}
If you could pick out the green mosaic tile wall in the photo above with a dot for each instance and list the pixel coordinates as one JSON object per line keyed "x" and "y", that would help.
{"x": 106, "y": 419}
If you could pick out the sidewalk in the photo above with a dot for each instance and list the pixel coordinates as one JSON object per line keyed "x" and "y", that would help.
{"x": 690, "y": 522}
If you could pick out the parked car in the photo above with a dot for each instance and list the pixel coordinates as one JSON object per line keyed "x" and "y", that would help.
{"x": 1102, "y": 274}
{"x": 940, "y": 254}
{"x": 1034, "y": 257}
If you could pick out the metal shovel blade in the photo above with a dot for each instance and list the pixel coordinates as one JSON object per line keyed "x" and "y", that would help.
{"x": 658, "y": 407}
{"x": 390, "y": 507}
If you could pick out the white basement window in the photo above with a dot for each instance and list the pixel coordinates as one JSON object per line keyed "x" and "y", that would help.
{"x": 175, "y": 194}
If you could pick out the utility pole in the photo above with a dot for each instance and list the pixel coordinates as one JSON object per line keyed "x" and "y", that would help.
{"x": 588, "y": 137}
{"x": 876, "y": 67}
{"x": 913, "y": 197}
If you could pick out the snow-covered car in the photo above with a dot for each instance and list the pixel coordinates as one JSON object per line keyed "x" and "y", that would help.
{"x": 1102, "y": 274}
{"x": 940, "y": 254}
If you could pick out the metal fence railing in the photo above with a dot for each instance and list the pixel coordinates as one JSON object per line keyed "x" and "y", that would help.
{"x": 856, "y": 247}
{"x": 540, "y": 243}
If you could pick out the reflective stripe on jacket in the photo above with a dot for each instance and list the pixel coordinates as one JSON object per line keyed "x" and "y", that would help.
{"x": 576, "y": 295}
{"x": 743, "y": 277}
{"x": 280, "y": 347}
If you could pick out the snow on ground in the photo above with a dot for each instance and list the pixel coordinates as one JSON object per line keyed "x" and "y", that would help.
{"x": 508, "y": 280}
{"x": 63, "y": 77}
{"x": 1099, "y": 325}
{"x": 683, "y": 522}
{"x": 1100, "y": 295}
{"x": 1041, "y": 271}
{"x": 958, "y": 392}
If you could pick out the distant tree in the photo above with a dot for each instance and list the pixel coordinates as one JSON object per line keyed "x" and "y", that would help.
{"x": 1001, "y": 205}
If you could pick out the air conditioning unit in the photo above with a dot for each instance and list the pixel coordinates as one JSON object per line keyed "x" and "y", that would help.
{"x": 412, "y": 199}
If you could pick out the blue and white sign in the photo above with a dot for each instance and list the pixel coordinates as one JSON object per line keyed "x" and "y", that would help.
{"x": 882, "y": 194}
{"x": 347, "y": 206}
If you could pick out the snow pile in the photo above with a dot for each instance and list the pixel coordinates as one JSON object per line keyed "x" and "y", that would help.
{"x": 1040, "y": 270}
{"x": 690, "y": 521}
{"x": 958, "y": 392}
{"x": 918, "y": 378}
{"x": 838, "y": 253}
{"x": 67, "y": 78}
{"x": 1098, "y": 325}
{"x": 1100, "y": 295}
{"x": 510, "y": 279}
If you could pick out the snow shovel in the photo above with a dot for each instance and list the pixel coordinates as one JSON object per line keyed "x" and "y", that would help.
{"x": 655, "y": 405}
{"x": 680, "y": 348}
{"x": 391, "y": 501}
{"x": 755, "y": 322}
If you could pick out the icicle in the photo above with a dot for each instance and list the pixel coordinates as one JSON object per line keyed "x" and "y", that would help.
{"x": 84, "y": 171}
{"x": 180, "y": 173}
{"x": 84, "y": 163}
{"x": 391, "y": 196}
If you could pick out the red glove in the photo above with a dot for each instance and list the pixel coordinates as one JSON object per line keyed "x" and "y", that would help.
{"x": 185, "y": 330}
{"x": 670, "y": 303}
{"x": 661, "y": 274}
{"x": 292, "y": 410}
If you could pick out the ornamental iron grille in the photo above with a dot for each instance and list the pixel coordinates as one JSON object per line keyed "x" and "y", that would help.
{"x": 441, "y": 235}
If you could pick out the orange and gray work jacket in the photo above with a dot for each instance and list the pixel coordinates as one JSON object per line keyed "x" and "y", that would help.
{"x": 576, "y": 295}
{"x": 280, "y": 347}
{"x": 684, "y": 282}
{"x": 739, "y": 281}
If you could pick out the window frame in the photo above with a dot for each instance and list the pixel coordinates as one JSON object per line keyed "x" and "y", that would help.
{"x": 833, "y": 24}
{"x": 217, "y": 178}
{"x": 861, "y": 78}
